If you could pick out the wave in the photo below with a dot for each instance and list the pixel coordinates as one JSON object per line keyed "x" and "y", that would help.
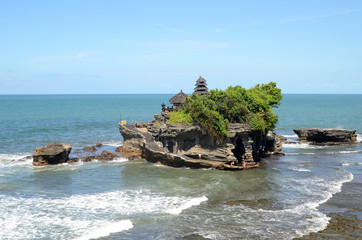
{"x": 346, "y": 152}
{"x": 299, "y": 169}
{"x": 83, "y": 215}
{"x": 187, "y": 204}
{"x": 108, "y": 230}
{"x": 113, "y": 143}
{"x": 302, "y": 146}
{"x": 283, "y": 216}
{"x": 291, "y": 137}
{"x": 359, "y": 137}
{"x": 15, "y": 159}
{"x": 351, "y": 164}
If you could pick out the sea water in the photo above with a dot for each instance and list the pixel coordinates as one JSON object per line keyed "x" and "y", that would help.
{"x": 287, "y": 197}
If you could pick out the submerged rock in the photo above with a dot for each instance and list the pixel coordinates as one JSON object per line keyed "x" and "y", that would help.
{"x": 54, "y": 153}
{"x": 90, "y": 149}
{"x": 105, "y": 156}
{"x": 318, "y": 135}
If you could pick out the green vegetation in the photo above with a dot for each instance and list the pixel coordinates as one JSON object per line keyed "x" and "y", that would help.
{"x": 180, "y": 117}
{"x": 235, "y": 105}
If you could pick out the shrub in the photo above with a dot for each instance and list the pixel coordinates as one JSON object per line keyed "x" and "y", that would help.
{"x": 180, "y": 117}
{"x": 236, "y": 105}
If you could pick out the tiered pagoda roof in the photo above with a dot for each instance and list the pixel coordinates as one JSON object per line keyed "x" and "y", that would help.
{"x": 201, "y": 86}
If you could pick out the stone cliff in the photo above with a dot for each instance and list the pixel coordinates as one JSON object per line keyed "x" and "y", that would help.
{"x": 188, "y": 145}
{"x": 326, "y": 136}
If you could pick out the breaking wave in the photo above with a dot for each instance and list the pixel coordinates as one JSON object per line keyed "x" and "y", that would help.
{"x": 107, "y": 230}
{"x": 83, "y": 215}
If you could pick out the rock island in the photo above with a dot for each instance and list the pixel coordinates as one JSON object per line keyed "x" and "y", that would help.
{"x": 226, "y": 130}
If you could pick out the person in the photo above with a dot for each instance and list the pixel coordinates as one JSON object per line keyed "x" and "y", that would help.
{"x": 244, "y": 164}
{"x": 200, "y": 156}
{"x": 232, "y": 162}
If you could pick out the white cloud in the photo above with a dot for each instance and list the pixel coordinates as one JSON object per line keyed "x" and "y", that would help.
{"x": 331, "y": 85}
{"x": 311, "y": 17}
{"x": 198, "y": 44}
{"x": 61, "y": 57}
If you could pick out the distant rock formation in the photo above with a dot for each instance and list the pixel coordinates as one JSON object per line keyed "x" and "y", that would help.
{"x": 326, "y": 136}
{"x": 57, "y": 153}
{"x": 53, "y": 153}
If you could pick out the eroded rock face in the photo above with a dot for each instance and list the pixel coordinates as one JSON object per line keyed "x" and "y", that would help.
{"x": 191, "y": 141}
{"x": 54, "y": 153}
{"x": 318, "y": 135}
{"x": 180, "y": 145}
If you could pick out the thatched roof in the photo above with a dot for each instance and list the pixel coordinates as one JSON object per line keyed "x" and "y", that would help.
{"x": 201, "y": 86}
{"x": 201, "y": 81}
{"x": 201, "y": 89}
{"x": 178, "y": 98}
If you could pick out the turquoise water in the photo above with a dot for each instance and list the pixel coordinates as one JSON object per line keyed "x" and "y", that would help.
{"x": 29, "y": 121}
{"x": 287, "y": 197}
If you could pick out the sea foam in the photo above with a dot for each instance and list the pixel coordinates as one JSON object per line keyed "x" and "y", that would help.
{"x": 86, "y": 215}
{"x": 187, "y": 204}
{"x": 107, "y": 230}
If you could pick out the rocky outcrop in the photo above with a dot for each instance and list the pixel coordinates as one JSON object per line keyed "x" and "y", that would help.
{"x": 53, "y": 153}
{"x": 90, "y": 149}
{"x": 180, "y": 145}
{"x": 273, "y": 144}
{"x": 105, "y": 156}
{"x": 326, "y": 136}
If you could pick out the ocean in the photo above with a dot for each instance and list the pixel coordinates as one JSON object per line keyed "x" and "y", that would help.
{"x": 287, "y": 197}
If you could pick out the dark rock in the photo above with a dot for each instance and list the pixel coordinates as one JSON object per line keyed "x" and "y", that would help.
{"x": 99, "y": 145}
{"x": 90, "y": 149}
{"x": 326, "y": 135}
{"x": 273, "y": 143}
{"x": 53, "y": 153}
{"x": 108, "y": 155}
{"x": 179, "y": 145}
{"x": 105, "y": 156}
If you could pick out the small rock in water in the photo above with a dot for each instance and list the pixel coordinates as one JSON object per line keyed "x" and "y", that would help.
{"x": 108, "y": 155}
{"x": 90, "y": 149}
{"x": 54, "y": 153}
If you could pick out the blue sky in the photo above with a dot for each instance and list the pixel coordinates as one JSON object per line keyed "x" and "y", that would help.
{"x": 70, "y": 47}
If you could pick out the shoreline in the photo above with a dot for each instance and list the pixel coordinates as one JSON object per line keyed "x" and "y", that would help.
{"x": 345, "y": 212}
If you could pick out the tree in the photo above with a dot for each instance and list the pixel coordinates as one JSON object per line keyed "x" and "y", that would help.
{"x": 235, "y": 105}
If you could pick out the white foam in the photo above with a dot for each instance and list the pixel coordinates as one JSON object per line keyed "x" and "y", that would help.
{"x": 107, "y": 230}
{"x": 113, "y": 143}
{"x": 40, "y": 216}
{"x": 120, "y": 160}
{"x": 15, "y": 160}
{"x": 346, "y": 152}
{"x": 291, "y": 137}
{"x": 359, "y": 137}
{"x": 187, "y": 204}
{"x": 299, "y": 169}
{"x": 302, "y": 146}
{"x": 351, "y": 164}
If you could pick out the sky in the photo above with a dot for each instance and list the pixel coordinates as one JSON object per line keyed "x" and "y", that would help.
{"x": 122, "y": 47}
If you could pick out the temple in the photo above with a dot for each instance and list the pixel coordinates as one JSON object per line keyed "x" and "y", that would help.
{"x": 201, "y": 86}
{"x": 178, "y": 100}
